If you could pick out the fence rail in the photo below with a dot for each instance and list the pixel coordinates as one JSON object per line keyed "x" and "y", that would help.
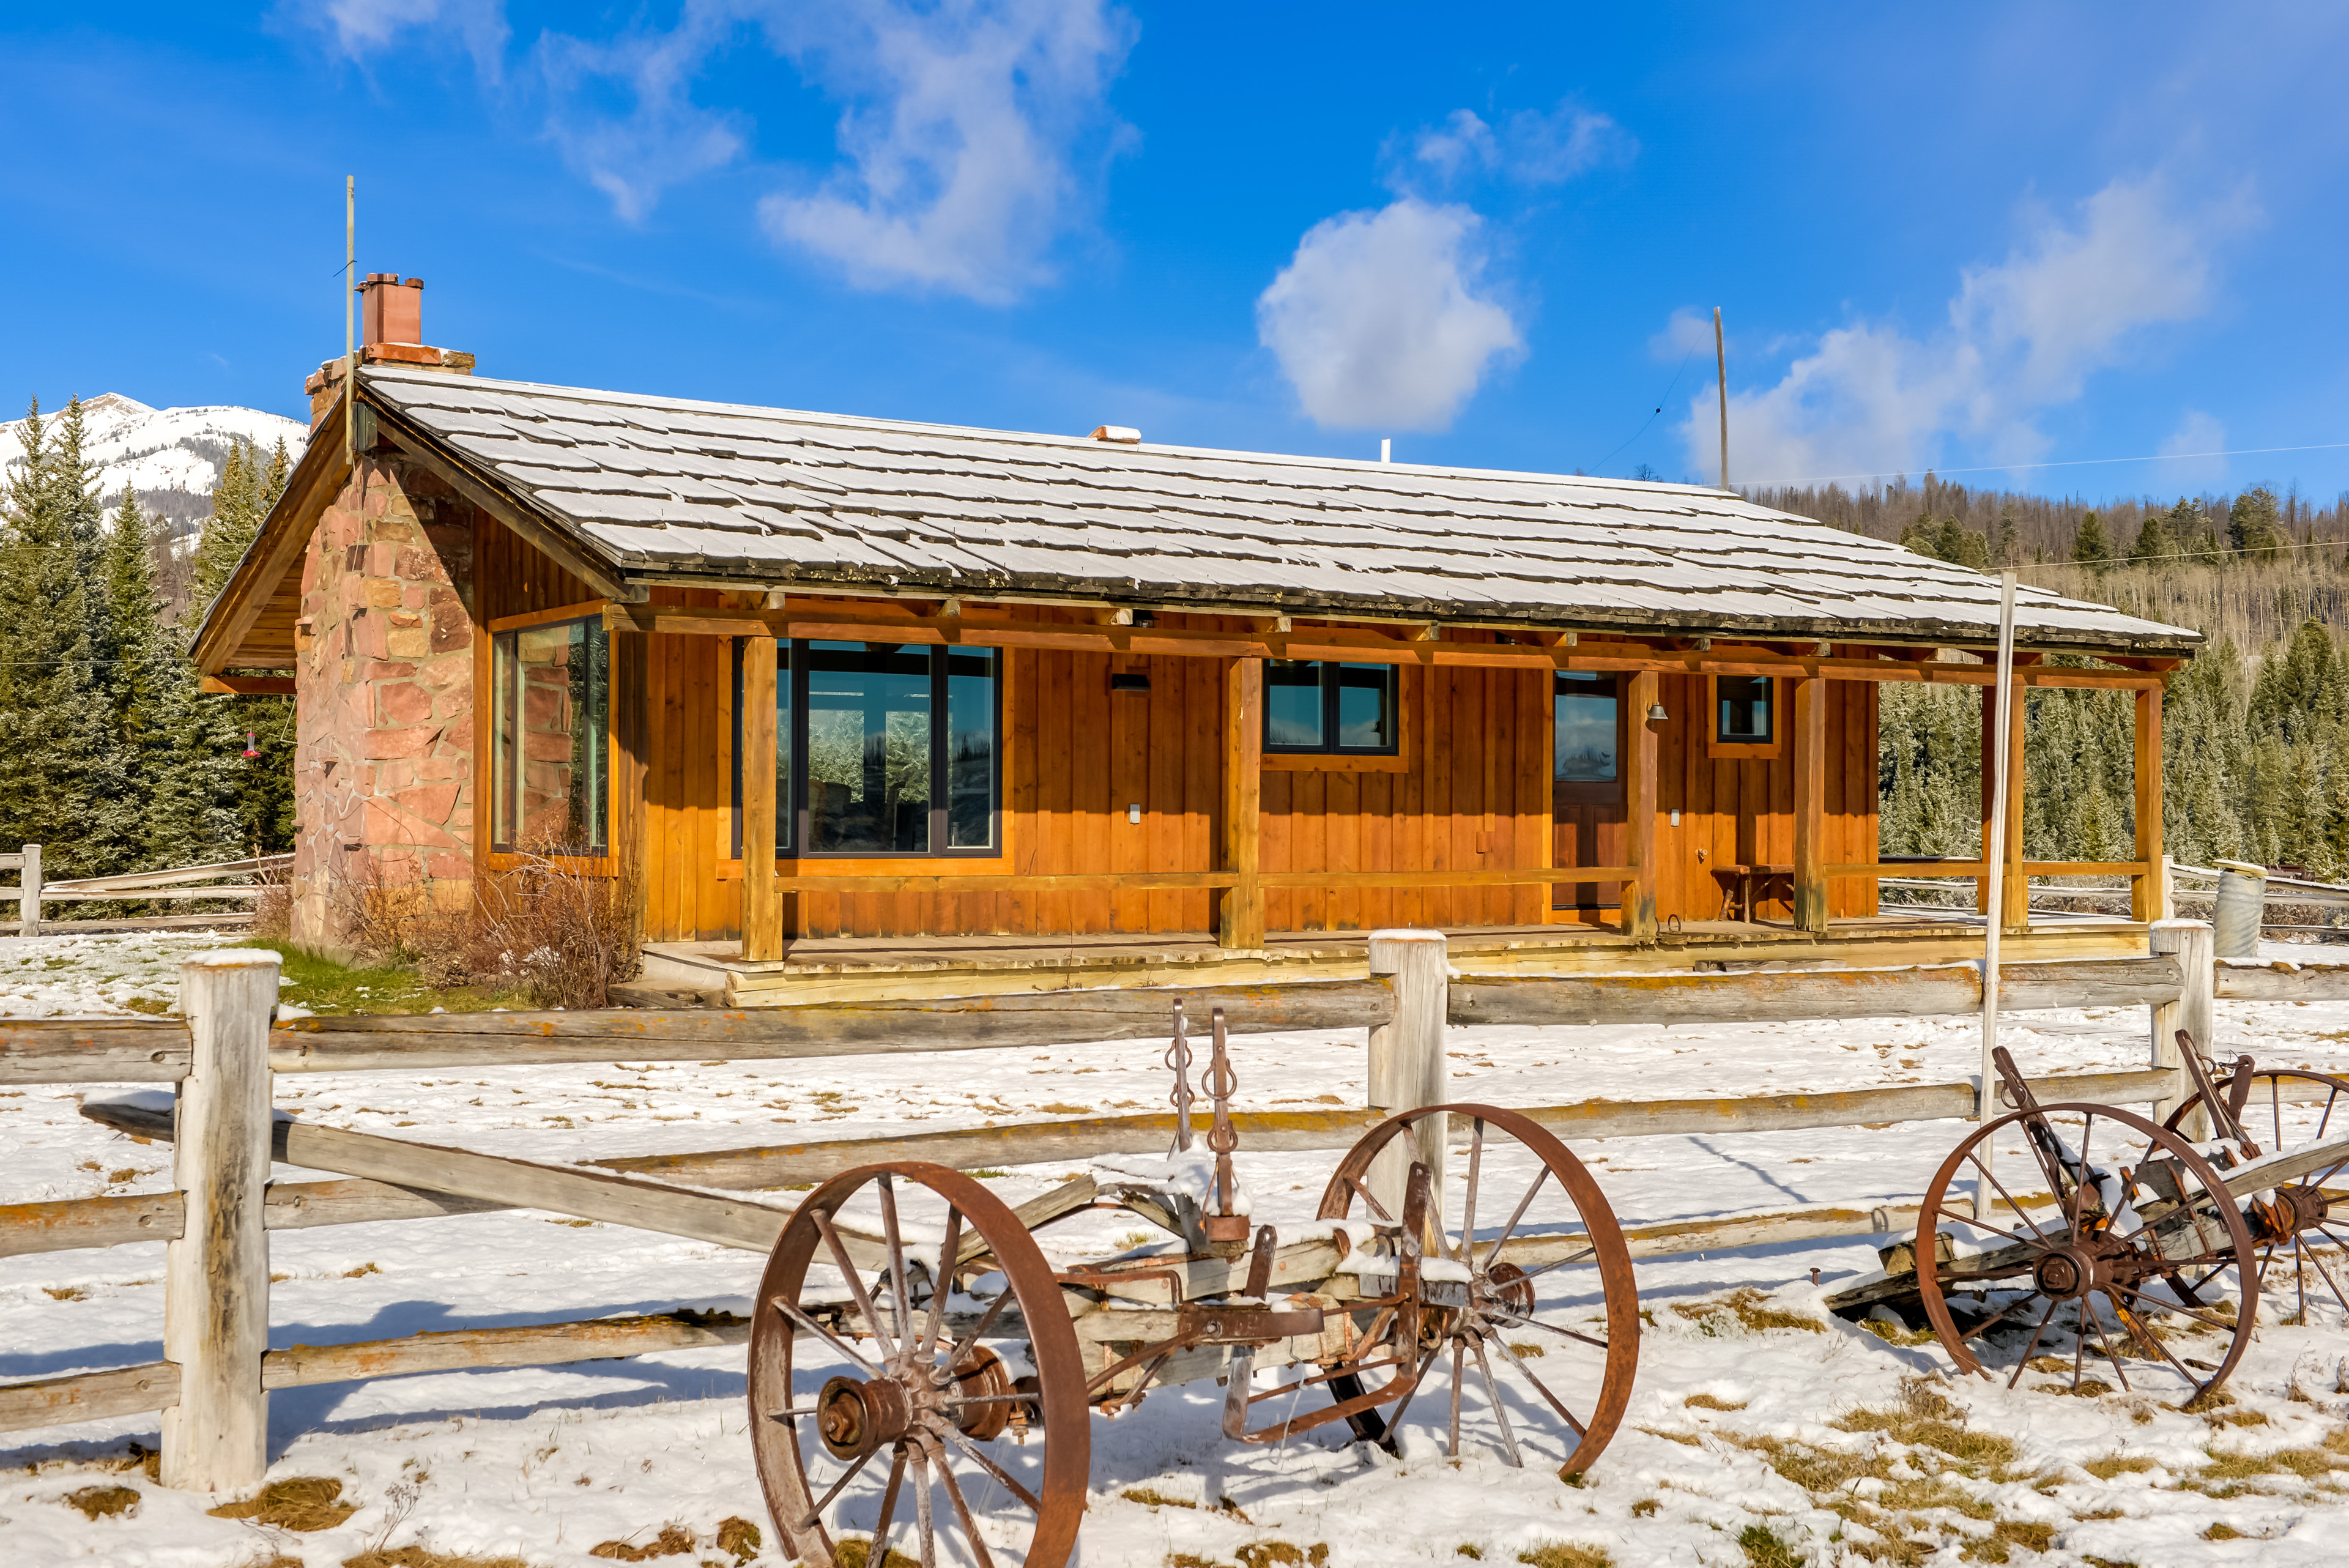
{"x": 167, "y": 884}
{"x": 221, "y": 1371}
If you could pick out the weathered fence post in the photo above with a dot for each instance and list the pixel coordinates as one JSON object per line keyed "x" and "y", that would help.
{"x": 2190, "y": 942}
{"x": 29, "y": 901}
{"x": 1407, "y": 1062}
{"x": 216, "y": 1282}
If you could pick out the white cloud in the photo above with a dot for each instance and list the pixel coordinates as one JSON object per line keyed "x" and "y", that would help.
{"x": 363, "y": 26}
{"x": 1376, "y": 322}
{"x": 1528, "y": 146}
{"x": 2021, "y": 338}
{"x": 662, "y": 137}
{"x": 964, "y": 122}
{"x": 2189, "y": 453}
{"x": 1686, "y": 333}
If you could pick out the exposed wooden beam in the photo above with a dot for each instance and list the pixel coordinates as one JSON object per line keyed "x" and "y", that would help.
{"x": 274, "y": 552}
{"x": 247, "y": 685}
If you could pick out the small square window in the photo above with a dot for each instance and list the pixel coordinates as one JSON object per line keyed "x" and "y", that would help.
{"x": 1742, "y": 710}
{"x": 1313, "y": 707}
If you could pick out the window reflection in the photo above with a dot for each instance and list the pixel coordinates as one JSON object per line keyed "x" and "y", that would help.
{"x": 1744, "y": 710}
{"x": 1585, "y": 727}
{"x": 868, "y": 748}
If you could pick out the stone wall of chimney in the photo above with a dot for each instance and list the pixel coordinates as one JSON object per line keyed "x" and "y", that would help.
{"x": 384, "y": 771}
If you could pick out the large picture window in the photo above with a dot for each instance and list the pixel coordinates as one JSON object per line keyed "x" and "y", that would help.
{"x": 1311, "y": 706}
{"x": 551, "y": 724}
{"x": 882, "y": 749}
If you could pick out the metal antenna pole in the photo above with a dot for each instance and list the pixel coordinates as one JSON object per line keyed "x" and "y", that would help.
{"x": 350, "y": 303}
{"x": 1720, "y": 364}
{"x": 1994, "y": 899}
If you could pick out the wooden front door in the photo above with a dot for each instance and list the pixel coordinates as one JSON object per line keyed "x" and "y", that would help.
{"x": 1587, "y": 785}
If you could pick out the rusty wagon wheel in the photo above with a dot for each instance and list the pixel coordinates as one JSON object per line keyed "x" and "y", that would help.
{"x": 1525, "y": 1249}
{"x": 906, "y": 1385}
{"x": 2095, "y": 1270}
{"x": 2278, "y": 1109}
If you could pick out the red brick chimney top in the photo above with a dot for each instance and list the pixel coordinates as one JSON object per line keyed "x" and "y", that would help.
{"x": 391, "y": 314}
{"x": 391, "y": 311}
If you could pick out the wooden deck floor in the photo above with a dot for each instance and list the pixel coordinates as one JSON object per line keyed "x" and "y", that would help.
{"x": 842, "y": 968}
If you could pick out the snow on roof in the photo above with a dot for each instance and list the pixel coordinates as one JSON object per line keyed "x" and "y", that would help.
{"x": 670, "y": 487}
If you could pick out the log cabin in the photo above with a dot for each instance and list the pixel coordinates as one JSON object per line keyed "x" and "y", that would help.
{"x": 851, "y": 705}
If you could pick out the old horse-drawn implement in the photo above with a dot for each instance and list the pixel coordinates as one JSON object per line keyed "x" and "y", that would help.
{"x": 929, "y": 1353}
{"x": 2151, "y": 1245}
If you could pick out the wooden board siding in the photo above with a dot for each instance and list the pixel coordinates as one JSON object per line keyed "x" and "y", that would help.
{"x": 1476, "y": 795}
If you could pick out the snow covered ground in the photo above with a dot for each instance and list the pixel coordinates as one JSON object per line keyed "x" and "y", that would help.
{"x": 1842, "y": 1445}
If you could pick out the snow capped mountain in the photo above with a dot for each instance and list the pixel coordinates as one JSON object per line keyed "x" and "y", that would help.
{"x": 173, "y": 457}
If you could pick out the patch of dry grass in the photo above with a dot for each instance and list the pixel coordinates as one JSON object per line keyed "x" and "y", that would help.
{"x": 411, "y": 1557}
{"x": 674, "y": 1541}
{"x": 2116, "y": 1465}
{"x": 1926, "y": 1419}
{"x": 1151, "y": 1496}
{"x": 1566, "y": 1554}
{"x": 858, "y": 1554}
{"x": 1283, "y": 1554}
{"x": 1708, "y": 1402}
{"x": 1748, "y": 1307}
{"x": 739, "y": 1538}
{"x": 1764, "y": 1548}
{"x": 95, "y": 1502}
{"x": 2003, "y": 1537}
{"x": 300, "y": 1503}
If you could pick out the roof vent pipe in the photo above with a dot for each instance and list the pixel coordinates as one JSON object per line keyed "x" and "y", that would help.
{"x": 1123, "y": 435}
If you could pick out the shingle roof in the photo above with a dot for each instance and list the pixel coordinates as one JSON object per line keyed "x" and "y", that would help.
{"x": 667, "y": 486}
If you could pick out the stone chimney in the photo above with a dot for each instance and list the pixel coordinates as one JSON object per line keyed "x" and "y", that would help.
{"x": 391, "y": 332}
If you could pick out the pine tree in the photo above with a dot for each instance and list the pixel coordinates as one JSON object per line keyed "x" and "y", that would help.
{"x": 2253, "y": 528}
{"x": 2008, "y": 550}
{"x": 176, "y": 752}
{"x": 2153, "y": 541}
{"x": 2089, "y": 545}
{"x": 61, "y": 785}
{"x": 264, "y": 784}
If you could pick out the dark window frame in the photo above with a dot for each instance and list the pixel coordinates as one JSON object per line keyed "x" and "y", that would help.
{"x": 1599, "y": 684}
{"x": 1332, "y": 678}
{"x": 792, "y": 822}
{"x": 1742, "y": 747}
{"x": 505, "y": 776}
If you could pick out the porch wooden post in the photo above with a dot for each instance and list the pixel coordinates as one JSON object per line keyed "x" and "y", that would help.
{"x": 2016, "y": 893}
{"x": 2146, "y": 901}
{"x": 762, "y": 900}
{"x": 1240, "y": 912}
{"x": 1639, "y": 807}
{"x": 1810, "y": 758}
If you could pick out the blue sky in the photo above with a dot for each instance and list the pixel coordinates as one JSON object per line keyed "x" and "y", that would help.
{"x": 1974, "y": 236}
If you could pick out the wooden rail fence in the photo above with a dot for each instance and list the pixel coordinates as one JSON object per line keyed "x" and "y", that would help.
{"x": 169, "y": 884}
{"x": 213, "y": 1384}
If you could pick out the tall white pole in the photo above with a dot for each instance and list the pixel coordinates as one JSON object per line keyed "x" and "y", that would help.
{"x": 350, "y": 297}
{"x": 1994, "y": 851}
{"x": 1720, "y": 365}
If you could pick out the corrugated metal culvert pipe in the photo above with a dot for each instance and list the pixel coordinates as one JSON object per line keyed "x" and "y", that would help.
{"x": 2243, "y": 903}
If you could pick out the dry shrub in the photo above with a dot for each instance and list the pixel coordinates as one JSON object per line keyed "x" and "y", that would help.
{"x": 103, "y": 1501}
{"x": 562, "y": 937}
{"x": 297, "y": 1503}
{"x": 273, "y": 907}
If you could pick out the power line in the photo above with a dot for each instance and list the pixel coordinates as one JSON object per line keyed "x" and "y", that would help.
{"x": 1667, "y": 398}
{"x": 2075, "y": 463}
